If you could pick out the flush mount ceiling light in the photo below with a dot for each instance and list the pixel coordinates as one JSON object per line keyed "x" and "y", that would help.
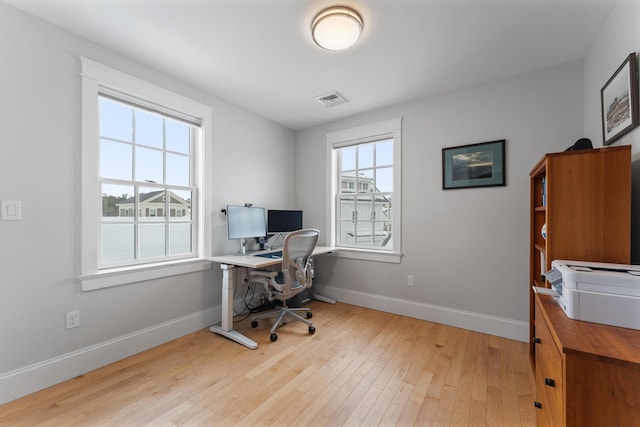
{"x": 336, "y": 28}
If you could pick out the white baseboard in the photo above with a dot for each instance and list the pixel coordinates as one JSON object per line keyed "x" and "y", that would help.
{"x": 29, "y": 379}
{"x": 492, "y": 325}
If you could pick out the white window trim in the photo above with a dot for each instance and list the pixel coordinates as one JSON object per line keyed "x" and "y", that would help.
{"x": 94, "y": 76}
{"x": 368, "y": 133}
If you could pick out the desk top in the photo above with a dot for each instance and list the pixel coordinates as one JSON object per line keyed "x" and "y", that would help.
{"x": 253, "y": 261}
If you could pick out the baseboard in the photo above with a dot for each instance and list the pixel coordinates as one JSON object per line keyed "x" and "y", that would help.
{"x": 32, "y": 378}
{"x": 492, "y": 325}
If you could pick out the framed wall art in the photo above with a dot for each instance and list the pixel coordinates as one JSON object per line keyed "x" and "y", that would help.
{"x": 475, "y": 165}
{"x": 619, "y": 100}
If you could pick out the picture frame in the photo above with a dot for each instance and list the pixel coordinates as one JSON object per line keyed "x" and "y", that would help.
{"x": 474, "y": 165}
{"x": 619, "y": 101}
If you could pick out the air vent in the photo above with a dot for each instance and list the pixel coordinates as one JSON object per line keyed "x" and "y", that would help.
{"x": 331, "y": 99}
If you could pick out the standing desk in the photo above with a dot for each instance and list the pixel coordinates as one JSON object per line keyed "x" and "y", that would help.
{"x": 228, "y": 263}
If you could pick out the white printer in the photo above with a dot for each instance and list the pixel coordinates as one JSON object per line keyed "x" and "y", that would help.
{"x": 597, "y": 292}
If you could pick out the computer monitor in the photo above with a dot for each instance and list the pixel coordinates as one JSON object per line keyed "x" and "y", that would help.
{"x": 283, "y": 221}
{"x": 244, "y": 223}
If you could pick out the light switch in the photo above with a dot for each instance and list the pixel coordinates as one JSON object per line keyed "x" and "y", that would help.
{"x": 11, "y": 210}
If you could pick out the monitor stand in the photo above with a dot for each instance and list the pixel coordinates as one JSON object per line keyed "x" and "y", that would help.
{"x": 243, "y": 244}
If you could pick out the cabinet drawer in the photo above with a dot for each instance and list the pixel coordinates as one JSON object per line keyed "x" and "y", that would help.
{"x": 549, "y": 375}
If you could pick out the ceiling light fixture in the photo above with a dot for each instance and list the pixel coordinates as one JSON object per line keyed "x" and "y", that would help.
{"x": 336, "y": 28}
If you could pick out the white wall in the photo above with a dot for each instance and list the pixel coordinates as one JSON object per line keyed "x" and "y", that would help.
{"x": 39, "y": 256}
{"x": 468, "y": 249}
{"x": 619, "y": 37}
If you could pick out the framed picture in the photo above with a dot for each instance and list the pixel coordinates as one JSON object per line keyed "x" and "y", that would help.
{"x": 619, "y": 100}
{"x": 475, "y": 165}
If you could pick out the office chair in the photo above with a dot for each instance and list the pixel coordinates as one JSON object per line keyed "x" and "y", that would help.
{"x": 296, "y": 273}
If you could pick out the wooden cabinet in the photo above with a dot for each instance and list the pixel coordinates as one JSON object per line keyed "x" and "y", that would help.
{"x": 584, "y": 199}
{"x": 587, "y": 374}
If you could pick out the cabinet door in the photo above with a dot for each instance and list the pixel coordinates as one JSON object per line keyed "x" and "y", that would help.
{"x": 602, "y": 392}
{"x": 549, "y": 375}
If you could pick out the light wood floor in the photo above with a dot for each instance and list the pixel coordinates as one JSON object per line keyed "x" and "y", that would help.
{"x": 361, "y": 367}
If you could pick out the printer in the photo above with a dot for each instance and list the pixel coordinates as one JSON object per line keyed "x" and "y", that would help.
{"x": 597, "y": 292}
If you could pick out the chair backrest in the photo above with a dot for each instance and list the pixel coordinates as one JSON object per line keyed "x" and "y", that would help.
{"x": 296, "y": 260}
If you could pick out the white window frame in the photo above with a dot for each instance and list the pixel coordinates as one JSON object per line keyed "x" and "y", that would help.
{"x": 389, "y": 129}
{"x": 96, "y": 76}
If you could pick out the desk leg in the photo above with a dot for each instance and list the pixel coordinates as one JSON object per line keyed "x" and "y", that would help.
{"x": 226, "y": 327}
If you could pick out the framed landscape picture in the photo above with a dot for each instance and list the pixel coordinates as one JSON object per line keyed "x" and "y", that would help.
{"x": 619, "y": 100}
{"x": 475, "y": 165}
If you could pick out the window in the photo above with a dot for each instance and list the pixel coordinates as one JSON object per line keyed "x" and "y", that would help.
{"x": 144, "y": 157}
{"x": 142, "y": 180}
{"x": 365, "y": 191}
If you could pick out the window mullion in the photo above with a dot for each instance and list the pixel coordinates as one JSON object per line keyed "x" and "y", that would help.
{"x": 136, "y": 222}
{"x": 167, "y": 223}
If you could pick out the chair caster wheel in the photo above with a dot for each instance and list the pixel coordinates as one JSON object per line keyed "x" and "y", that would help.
{"x": 254, "y": 324}
{"x": 309, "y": 315}
{"x": 312, "y": 330}
{"x": 274, "y": 337}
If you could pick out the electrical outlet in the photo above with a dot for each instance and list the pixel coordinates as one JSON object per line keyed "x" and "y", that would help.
{"x": 73, "y": 319}
{"x": 410, "y": 280}
{"x": 11, "y": 210}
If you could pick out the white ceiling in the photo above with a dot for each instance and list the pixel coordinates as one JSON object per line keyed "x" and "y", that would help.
{"x": 259, "y": 53}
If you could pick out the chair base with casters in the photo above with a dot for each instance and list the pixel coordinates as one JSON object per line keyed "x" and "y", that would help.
{"x": 297, "y": 275}
{"x": 284, "y": 314}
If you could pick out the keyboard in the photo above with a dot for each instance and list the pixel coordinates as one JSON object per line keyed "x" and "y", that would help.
{"x": 275, "y": 254}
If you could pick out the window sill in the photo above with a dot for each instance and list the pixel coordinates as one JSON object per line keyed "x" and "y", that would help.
{"x": 123, "y": 276}
{"x": 367, "y": 255}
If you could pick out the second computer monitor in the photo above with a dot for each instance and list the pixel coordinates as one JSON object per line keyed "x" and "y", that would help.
{"x": 283, "y": 221}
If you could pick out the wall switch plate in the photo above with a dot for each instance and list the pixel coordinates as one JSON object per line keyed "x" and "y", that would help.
{"x": 73, "y": 319}
{"x": 410, "y": 281}
{"x": 11, "y": 210}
